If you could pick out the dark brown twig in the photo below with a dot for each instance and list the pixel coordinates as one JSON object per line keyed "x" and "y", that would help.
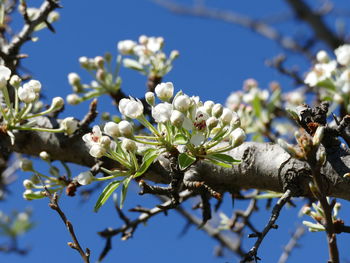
{"x": 252, "y": 254}
{"x": 85, "y": 255}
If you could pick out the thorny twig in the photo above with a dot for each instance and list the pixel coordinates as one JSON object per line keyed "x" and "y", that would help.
{"x": 293, "y": 242}
{"x": 252, "y": 254}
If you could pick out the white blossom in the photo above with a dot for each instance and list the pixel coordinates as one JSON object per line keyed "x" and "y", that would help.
{"x": 112, "y": 129}
{"x": 69, "y": 125}
{"x": 122, "y": 105}
{"x": 164, "y": 91}
{"x": 27, "y": 94}
{"x": 125, "y": 129}
{"x": 85, "y": 178}
{"x": 129, "y": 145}
{"x": 162, "y": 112}
{"x": 154, "y": 44}
{"x": 197, "y": 139}
{"x": 126, "y": 47}
{"x": 182, "y": 103}
{"x": 133, "y": 109}
{"x": 320, "y": 72}
{"x": 343, "y": 55}
{"x": 177, "y": 118}
{"x": 57, "y": 103}
{"x": 5, "y": 74}
{"x": 34, "y": 84}
{"x": 226, "y": 116}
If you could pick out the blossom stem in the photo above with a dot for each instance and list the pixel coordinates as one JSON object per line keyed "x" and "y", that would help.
{"x": 37, "y": 129}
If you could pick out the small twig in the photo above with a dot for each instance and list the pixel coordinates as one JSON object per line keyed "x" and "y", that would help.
{"x": 90, "y": 116}
{"x": 252, "y": 254}
{"x": 293, "y": 242}
{"x": 75, "y": 244}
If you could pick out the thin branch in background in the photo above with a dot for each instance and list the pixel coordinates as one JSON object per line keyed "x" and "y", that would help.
{"x": 231, "y": 17}
{"x": 252, "y": 254}
{"x": 278, "y": 63}
{"x": 293, "y": 243}
{"x": 315, "y": 21}
{"x": 90, "y": 116}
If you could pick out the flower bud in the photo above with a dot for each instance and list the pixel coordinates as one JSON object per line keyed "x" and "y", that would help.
{"x": 73, "y": 79}
{"x": 177, "y": 118}
{"x": 73, "y": 99}
{"x": 182, "y": 103}
{"x": 26, "y": 165}
{"x": 129, "y": 145}
{"x": 322, "y": 57}
{"x": 208, "y": 106}
{"x": 27, "y": 193}
{"x": 15, "y": 81}
{"x": 99, "y": 61}
{"x": 105, "y": 141}
{"x": 237, "y": 137}
{"x": 318, "y": 136}
{"x": 174, "y": 54}
{"x": 126, "y": 47}
{"x": 84, "y": 62}
{"x": 34, "y": 84}
{"x": 70, "y": 125}
{"x": 97, "y": 150}
{"x": 164, "y": 91}
{"x": 212, "y": 122}
{"x": 57, "y": 103}
{"x": 217, "y": 110}
{"x": 306, "y": 210}
{"x": 143, "y": 40}
{"x": 112, "y": 129}
{"x": 101, "y": 74}
{"x": 5, "y": 74}
{"x": 150, "y": 98}
{"x": 28, "y": 184}
{"x": 85, "y": 178}
{"x": 226, "y": 116}
{"x": 44, "y": 156}
{"x": 125, "y": 129}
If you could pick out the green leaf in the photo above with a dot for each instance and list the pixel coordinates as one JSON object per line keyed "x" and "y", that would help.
{"x": 125, "y": 190}
{"x": 327, "y": 84}
{"x": 223, "y": 158}
{"x": 147, "y": 160}
{"x": 226, "y": 165}
{"x": 185, "y": 160}
{"x": 257, "y": 106}
{"x": 180, "y": 139}
{"x": 106, "y": 193}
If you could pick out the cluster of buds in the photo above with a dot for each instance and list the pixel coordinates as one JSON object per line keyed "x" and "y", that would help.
{"x": 105, "y": 82}
{"x": 20, "y": 114}
{"x": 36, "y": 186}
{"x": 258, "y": 108}
{"x": 147, "y": 55}
{"x": 332, "y": 76}
{"x": 318, "y": 215}
{"x": 185, "y": 124}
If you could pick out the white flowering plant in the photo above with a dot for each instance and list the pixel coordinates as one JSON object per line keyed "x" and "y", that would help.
{"x": 190, "y": 129}
{"x": 21, "y": 114}
{"x": 331, "y": 77}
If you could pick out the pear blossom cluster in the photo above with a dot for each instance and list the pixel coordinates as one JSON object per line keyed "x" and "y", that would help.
{"x": 21, "y": 114}
{"x": 184, "y": 123}
{"x": 106, "y": 80}
{"x": 332, "y": 76}
{"x": 258, "y": 108}
{"x": 147, "y": 56}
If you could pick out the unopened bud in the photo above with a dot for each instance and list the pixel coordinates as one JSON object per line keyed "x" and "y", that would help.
{"x": 112, "y": 129}
{"x": 57, "y": 103}
{"x": 99, "y": 61}
{"x": 28, "y": 184}
{"x": 177, "y": 118}
{"x": 129, "y": 145}
{"x": 44, "y": 156}
{"x": 150, "y": 98}
{"x": 174, "y": 54}
{"x": 322, "y": 57}
{"x": 212, "y": 122}
{"x": 73, "y": 99}
{"x": 217, "y": 110}
{"x": 73, "y": 79}
{"x": 318, "y": 136}
{"x": 237, "y": 137}
{"x": 125, "y": 129}
{"x": 15, "y": 81}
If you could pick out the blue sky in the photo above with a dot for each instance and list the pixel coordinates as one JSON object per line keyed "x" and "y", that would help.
{"x": 215, "y": 60}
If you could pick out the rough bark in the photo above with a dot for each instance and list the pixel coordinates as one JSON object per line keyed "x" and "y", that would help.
{"x": 264, "y": 166}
